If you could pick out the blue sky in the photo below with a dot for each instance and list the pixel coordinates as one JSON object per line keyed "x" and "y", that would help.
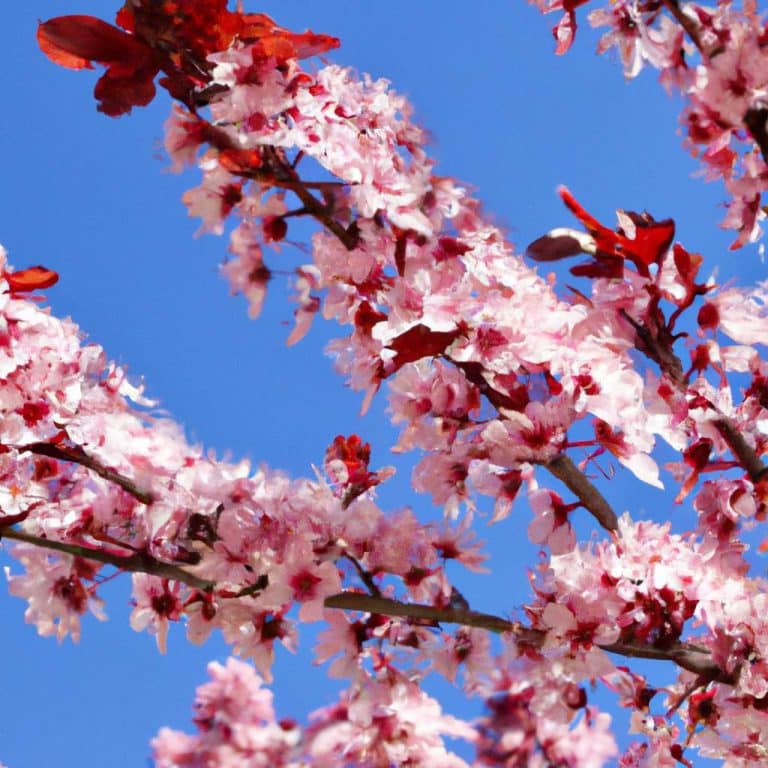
{"x": 91, "y": 197}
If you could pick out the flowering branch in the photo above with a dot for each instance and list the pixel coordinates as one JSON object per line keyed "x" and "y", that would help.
{"x": 139, "y": 562}
{"x": 443, "y": 309}
{"x": 77, "y": 455}
{"x": 662, "y": 353}
{"x": 756, "y": 118}
{"x": 688, "y": 656}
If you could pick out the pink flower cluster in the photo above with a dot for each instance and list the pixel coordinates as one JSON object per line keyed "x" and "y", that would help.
{"x": 726, "y": 85}
{"x": 210, "y": 542}
{"x": 383, "y": 719}
{"x": 490, "y": 374}
{"x": 494, "y": 378}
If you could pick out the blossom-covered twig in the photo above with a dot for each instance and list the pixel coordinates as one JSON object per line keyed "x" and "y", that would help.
{"x": 78, "y": 456}
{"x": 687, "y": 656}
{"x": 138, "y": 562}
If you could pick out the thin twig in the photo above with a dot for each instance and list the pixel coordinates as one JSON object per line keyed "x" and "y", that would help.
{"x": 78, "y": 456}
{"x": 136, "y": 563}
{"x": 254, "y": 589}
{"x": 365, "y": 577}
{"x": 590, "y": 497}
{"x": 661, "y": 353}
{"x": 287, "y": 177}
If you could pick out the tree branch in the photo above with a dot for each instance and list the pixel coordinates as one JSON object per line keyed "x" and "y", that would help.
{"x": 364, "y": 575}
{"x": 590, "y": 497}
{"x": 78, "y": 456}
{"x": 140, "y": 562}
{"x": 661, "y": 353}
{"x": 287, "y": 178}
{"x": 358, "y": 601}
{"x": 690, "y": 657}
{"x": 741, "y": 449}
{"x": 688, "y": 24}
{"x": 756, "y": 122}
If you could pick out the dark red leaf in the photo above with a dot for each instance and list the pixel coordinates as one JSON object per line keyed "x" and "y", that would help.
{"x": 31, "y": 279}
{"x": 651, "y": 240}
{"x": 76, "y": 41}
{"x": 553, "y": 247}
{"x": 418, "y": 342}
{"x": 86, "y": 39}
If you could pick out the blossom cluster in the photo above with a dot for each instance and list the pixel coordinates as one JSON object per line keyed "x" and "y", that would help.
{"x": 386, "y": 720}
{"x": 496, "y": 379}
{"x": 87, "y": 464}
{"x": 717, "y": 58}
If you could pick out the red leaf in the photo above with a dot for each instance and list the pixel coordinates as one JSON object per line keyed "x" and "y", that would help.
{"x": 651, "y": 241}
{"x": 76, "y": 41}
{"x": 86, "y": 39}
{"x": 592, "y": 225}
{"x": 281, "y": 43}
{"x": 652, "y": 238}
{"x": 418, "y": 342}
{"x": 31, "y": 279}
{"x": 118, "y": 92}
{"x": 56, "y": 53}
{"x": 560, "y": 244}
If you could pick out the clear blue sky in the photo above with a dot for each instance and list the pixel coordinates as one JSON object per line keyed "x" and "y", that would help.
{"x": 90, "y": 197}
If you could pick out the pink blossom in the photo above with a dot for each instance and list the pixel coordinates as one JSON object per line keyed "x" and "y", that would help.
{"x": 156, "y": 603}
{"x": 57, "y": 590}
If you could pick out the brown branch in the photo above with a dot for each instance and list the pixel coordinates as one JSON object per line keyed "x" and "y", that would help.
{"x": 659, "y": 351}
{"x": 688, "y": 24}
{"x": 286, "y": 177}
{"x": 741, "y": 449}
{"x": 756, "y": 122}
{"x": 690, "y": 657}
{"x": 590, "y": 497}
{"x": 687, "y": 656}
{"x": 358, "y": 601}
{"x": 364, "y": 575}
{"x": 140, "y": 562}
{"x": 78, "y": 456}
{"x": 253, "y": 589}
